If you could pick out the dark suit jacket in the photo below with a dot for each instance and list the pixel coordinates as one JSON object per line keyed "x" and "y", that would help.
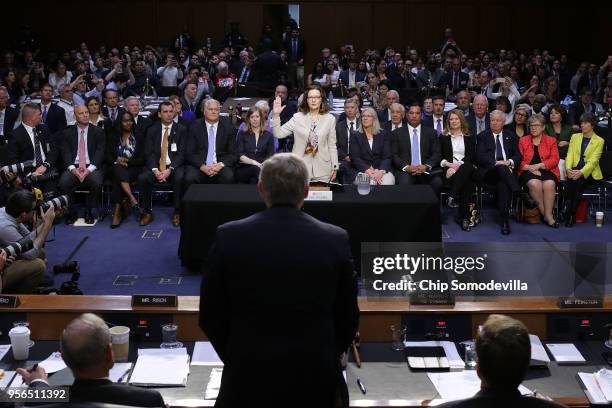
{"x": 447, "y": 80}
{"x": 267, "y": 67}
{"x": 153, "y": 141}
{"x": 401, "y": 147}
{"x": 292, "y": 311}
{"x": 105, "y": 391}
{"x": 471, "y": 120}
{"x": 142, "y": 125}
{"x": 56, "y": 118}
{"x": 429, "y": 122}
{"x": 388, "y": 125}
{"x": 197, "y": 110}
{"x": 446, "y": 149}
{"x": 363, "y": 157}
{"x": 20, "y": 146}
{"x": 245, "y": 145}
{"x": 112, "y": 149}
{"x": 384, "y": 116}
{"x": 225, "y": 143}
{"x": 288, "y": 46}
{"x": 10, "y": 117}
{"x": 120, "y": 111}
{"x": 344, "y": 76}
{"x": 342, "y": 137}
{"x": 485, "y": 149}
{"x": 69, "y": 145}
{"x": 575, "y": 111}
{"x": 500, "y": 399}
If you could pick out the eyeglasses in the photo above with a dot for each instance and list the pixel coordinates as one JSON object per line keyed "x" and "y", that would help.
{"x": 522, "y": 115}
{"x": 313, "y": 98}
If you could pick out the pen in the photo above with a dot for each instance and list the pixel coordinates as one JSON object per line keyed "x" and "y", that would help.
{"x": 120, "y": 380}
{"x": 361, "y": 386}
{"x": 34, "y": 367}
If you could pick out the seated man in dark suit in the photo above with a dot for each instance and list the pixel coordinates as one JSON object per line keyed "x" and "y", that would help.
{"x": 497, "y": 155}
{"x": 438, "y": 118}
{"x": 398, "y": 118}
{"x": 351, "y": 78}
{"x": 141, "y": 123}
{"x": 82, "y": 149}
{"x": 504, "y": 352}
{"x": 8, "y": 116}
{"x": 455, "y": 79}
{"x": 480, "y": 120}
{"x": 315, "y": 299}
{"x": 344, "y": 128}
{"x": 86, "y": 349}
{"x": 286, "y": 144}
{"x": 164, "y": 157}
{"x": 211, "y": 154}
{"x": 416, "y": 152}
{"x": 52, "y": 115}
{"x": 111, "y": 108}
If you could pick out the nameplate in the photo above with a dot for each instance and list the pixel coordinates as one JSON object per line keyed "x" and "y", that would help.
{"x": 154, "y": 301}
{"x": 583, "y": 302}
{"x": 320, "y": 195}
{"x": 432, "y": 299}
{"x": 9, "y": 301}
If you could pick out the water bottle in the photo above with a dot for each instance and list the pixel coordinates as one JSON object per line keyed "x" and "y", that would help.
{"x": 330, "y": 100}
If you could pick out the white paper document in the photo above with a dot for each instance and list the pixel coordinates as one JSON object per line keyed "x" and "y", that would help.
{"x": 205, "y": 355}
{"x": 460, "y": 385}
{"x": 161, "y": 367}
{"x": 4, "y": 348}
{"x": 454, "y": 361}
{"x": 604, "y": 380}
{"x": 214, "y": 383}
{"x": 53, "y": 363}
{"x": 120, "y": 371}
{"x": 592, "y": 389}
{"x": 538, "y": 353}
{"x": 565, "y": 353}
{"x": 5, "y": 378}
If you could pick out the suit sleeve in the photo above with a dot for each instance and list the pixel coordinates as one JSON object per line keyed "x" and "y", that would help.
{"x": 552, "y": 161}
{"x": 591, "y": 161}
{"x": 385, "y": 163}
{"x": 100, "y": 151}
{"x": 434, "y": 145}
{"x": 280, "y": 132}
{"x": 485, "y": 159}
{"x": 516, "y": 157}
{"x": 398, "y": 162}
{"x": 214, "y": 305}
{"x": 193, "y": 150}
{"x": 150, "y": 160}
{"x": 65, "y": 149}
{"x": 138, "y": 159}
{"x": 346, "y": 309}
{"x": 12, "y": 151}
{"x": 53, "y": 154}
{"x": 229, "y": 156}
{"x": 179, "y": 158}
{"x": 355, "y": 154}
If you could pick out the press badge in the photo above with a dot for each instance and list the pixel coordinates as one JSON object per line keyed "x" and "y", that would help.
{"x": 173, "y": 147}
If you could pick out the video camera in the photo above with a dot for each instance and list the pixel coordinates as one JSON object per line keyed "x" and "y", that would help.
{"x": 17, "y": 248}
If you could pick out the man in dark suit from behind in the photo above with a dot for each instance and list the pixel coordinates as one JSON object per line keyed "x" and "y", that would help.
{"x": 86, "y": 349}
{"x": 299, "y": 309}
{"x": 82, "y": 149}
{"x": 267, "y": 66}
{"x": 504, "y": 352}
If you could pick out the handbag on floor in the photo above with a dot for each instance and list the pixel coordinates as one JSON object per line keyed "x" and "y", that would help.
{"x": 530, "y": 216}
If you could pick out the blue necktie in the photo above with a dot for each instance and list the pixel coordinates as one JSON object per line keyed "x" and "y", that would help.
{"x": 499, "y": 153}
{"x": 438, "y": 128}
{"x": 416, "y": 153}
{"x": 211, "y": 146}
{"x": 44, "y": 114}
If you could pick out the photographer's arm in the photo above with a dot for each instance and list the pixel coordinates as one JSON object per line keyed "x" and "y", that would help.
{"x": 42, "y": 230}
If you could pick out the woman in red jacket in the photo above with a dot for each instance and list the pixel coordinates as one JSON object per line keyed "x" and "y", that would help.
{"x": 539, "y": 167}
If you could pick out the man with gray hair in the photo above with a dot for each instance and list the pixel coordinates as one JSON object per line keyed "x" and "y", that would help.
{"x": 294, "y": 300}
{"x": 398, "y": 118}
{"x": 86, "y": 349}
{"x": 385, "y": 115}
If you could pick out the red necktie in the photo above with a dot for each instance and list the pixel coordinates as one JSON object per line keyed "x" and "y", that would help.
{"x": 82, "y": 159}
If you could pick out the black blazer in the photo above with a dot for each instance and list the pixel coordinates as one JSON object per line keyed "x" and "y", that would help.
{"x": 245, "y": 145}
{"x": 488, "y": 398}
{"x": 388, "y": 125}
{"x": 446, "y": 149}
{"x": 485, "y": 149}
{"x": 575, "y": 111}
{"x": 112, "y": 149}
{"x": 120, "y": 111}
{"x": 10, "y": 117}
{"x": 20, "y": 146}
{"x": 251, "y": 293}
{"x": 225, "y": 141}
{"x": 378, "y": 157}
{"x": 401, "y": 147}
{"x": 153, "y": 141}
{"x": 447, "y": 80}
{"x": 429, "y": 122}
{"x": 342, "y": 137}
{"x": 288, "y": 46}
{"x": 56, "y": 118}
{"x": 142, "y": 125}
{"x": 105, "y": 391}
{"x": 69, "y": 145}
{"x": 471, "y": 120}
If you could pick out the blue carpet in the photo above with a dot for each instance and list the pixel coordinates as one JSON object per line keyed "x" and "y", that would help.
{"x": 110, "y": 253}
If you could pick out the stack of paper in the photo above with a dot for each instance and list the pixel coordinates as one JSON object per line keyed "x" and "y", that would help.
{"x": 450, "y": 350}
{"x": 5, "y": 378}
{"x": 205, "y": 355}
{"x": 460, "y": 385}
{"x": 597, "y": 386}
{"x": 161, "y": 367}
{"x": 565, "y": 353}
{"x": 53, "y": 363}
{"x": 4, "y": 348}
{"x": 539, "y": 357}
{"x": 214, "y": 383}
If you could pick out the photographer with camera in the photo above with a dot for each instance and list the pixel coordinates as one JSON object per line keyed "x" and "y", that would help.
{"x": 26, "y": 272}
{"x": 32, "y": 141}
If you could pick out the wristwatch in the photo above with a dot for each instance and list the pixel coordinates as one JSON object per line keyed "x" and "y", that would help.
{"x": 46, "y": 165}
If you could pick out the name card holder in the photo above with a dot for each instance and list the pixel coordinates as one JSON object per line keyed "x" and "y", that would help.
{"x": 9, "y": 301}
{"x": 582, "y": 302}
{"x": 154, "y": 300}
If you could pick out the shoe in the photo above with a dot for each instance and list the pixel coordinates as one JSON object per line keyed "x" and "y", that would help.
{"x": 89, "y": 218}
{"x": 146, "y": 218}
{"x": 176, "y": 219}
{"x": 116, "y": 216}
{"x": 505, "y": 227}
{"x": 570, "y": 221}
{"x": 528, "y": 201}
{"x": 465, "y": 225}
{"x": 555, "y": 224}
{"x": 450, "y": 202}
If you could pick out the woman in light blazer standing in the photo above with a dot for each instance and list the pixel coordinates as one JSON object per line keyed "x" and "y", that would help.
{"x": 314, "y": 132}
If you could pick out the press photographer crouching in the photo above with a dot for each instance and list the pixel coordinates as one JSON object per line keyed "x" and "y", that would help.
{"x": 27, "y": 270}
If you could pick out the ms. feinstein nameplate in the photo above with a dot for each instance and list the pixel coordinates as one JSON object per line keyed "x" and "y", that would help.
{"x": 154, "y": 300}
{"x": 319, "y": 195}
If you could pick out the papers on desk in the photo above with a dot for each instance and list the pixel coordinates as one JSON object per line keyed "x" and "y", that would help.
{"x": 152, "y": 106}
{"x": 4, "y": 348}
{"x": 214, "y": 384}
{"x": 450, "y": 350}
{"x": 53, "y": 363}
{"x": 5, "y": 378}
{"x": 565, "y": 353}
{"x": 205, "y": 355}
{"x": 120, "y": 371}
{"x": 18, "y": 382}
{"x": 242, "y": 99}
{"x": 539, "y": 358}
{"x": 460, "y": 385}
{"x": 161, "y": 367}
{"x": 597, "y": 386}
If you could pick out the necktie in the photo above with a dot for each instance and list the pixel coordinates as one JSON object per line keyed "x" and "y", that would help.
{"x": 211, "y": 146}
{"x": 164, "y": 150}
{"x": 295, "y": 48}
{"x": 480, "y": 125}
{"x": 438, "y": 127}
{"x": 37, "y": 151}
{"x": 82, "y": 158}
{"x": 499, "y": 153}
{"x": 44, "y": 114}
{"x": 113, "y": 114}
{"x": 416, "y": 153}
{"x": 394, "y": 127}
{"x": 352, "y": 126}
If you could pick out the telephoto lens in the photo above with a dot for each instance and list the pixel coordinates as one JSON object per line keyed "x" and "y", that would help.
{"x": 18, "y": 167}
{"x": 57, "y": 203}
{"x": 16, "y": 248}
{"x": 66, "y": 267}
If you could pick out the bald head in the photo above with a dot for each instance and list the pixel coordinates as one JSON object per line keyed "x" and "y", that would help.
{"x": 81, "y": 115}
{"x": 85, "y": 344}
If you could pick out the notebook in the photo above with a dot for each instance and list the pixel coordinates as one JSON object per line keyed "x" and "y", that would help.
{"x": 161, "y": 368}
{"x": 565, "y": 353}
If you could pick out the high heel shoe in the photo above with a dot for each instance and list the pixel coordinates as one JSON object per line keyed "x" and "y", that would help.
{"x": 116, "y": 216}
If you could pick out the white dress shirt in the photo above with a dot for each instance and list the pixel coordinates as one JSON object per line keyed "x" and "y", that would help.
{"x": 163, "y": 128}
{"x": 458, "y": 143}
{"x": 30, "y": 131}
{"x": 410, "y": 134}
{"x": 90, "y": 167}
{"x": 501, "y": 141}
{"x": 215, "y": 127}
